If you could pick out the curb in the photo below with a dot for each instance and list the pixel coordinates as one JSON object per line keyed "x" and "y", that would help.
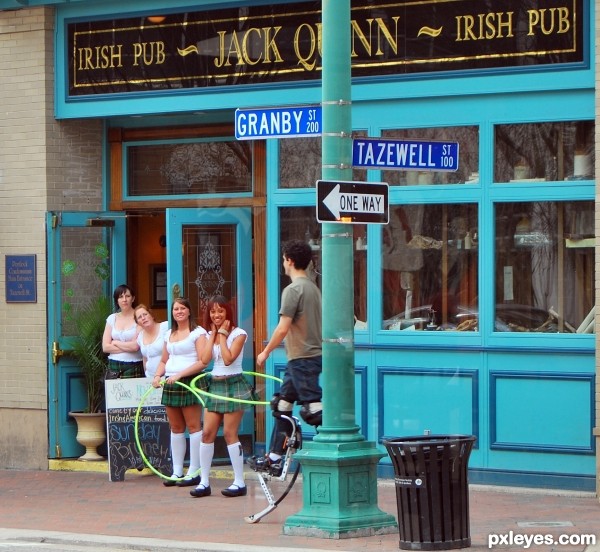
{"x": 121, "y": 544}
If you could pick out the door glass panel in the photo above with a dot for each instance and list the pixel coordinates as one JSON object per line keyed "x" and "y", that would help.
{"x": 85, "y": 270}
{"x": 209, "y": 264}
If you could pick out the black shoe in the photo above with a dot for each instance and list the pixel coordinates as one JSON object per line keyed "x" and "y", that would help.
{"x": 235, "y": 490}
{"x": 200, "y": 491}
{"x": 188, "y": 481}
{"x": 265, "y": 464}
{"x": 172, "y": 481}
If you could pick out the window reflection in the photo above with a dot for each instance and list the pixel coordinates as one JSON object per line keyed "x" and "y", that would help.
{"x": 189, "y": 168}
{"x": 545, "y": 267}
{"x": 468, "y": 143}
{"x": 298, "y": 223}
{"x": 540, "y": 152}
{"x": 429, "y": 279}
{"x": 300, "y": 163}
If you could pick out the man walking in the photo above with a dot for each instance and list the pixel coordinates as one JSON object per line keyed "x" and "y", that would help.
{"x": 300, "y": 326}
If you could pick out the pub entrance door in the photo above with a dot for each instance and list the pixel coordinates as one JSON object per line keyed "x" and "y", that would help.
{"x": 209, "y": 252}
{"x": 86, "y": 259}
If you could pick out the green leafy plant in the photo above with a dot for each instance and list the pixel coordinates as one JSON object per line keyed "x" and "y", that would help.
{"x": 90, "y": 321}
{"x": 88, "y": 270}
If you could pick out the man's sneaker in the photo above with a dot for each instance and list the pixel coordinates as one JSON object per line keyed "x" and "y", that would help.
{"x": 265, "y": 464}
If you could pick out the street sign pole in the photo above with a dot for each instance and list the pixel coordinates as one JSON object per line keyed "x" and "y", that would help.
{"x": 339, "y": 466}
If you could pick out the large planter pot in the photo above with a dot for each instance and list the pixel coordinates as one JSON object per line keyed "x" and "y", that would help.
{"x": 91, "y": 433}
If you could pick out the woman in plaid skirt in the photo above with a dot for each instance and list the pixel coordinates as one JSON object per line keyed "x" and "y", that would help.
{"x": 181, "y": 361}
{"x": 225, "y": 347}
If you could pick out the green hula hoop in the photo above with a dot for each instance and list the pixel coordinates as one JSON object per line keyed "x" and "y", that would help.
{"x": 223, "y": 398}
{"x": 136, "y": 426}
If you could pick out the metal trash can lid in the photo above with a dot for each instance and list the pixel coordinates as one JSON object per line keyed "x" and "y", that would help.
{"x": 428, "y": 439}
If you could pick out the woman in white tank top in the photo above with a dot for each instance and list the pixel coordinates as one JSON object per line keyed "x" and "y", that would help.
{"x": 151, "y": 339}
{"x": 120, "y": 338}
{"x": 181, "y": 361}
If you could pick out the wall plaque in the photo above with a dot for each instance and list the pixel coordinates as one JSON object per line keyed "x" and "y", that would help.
{"x": 21, "y": 279}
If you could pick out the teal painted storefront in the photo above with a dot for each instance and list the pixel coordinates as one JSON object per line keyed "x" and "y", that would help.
{"x": 527, "y": 396}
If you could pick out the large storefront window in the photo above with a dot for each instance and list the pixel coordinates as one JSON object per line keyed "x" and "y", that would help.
{"x": 214, "y": 167}
{"x": 468, "y": 171}
{"x": 300, "y": 163}
{"x": 540, "y": 152}
{"x": 300, "y": 223}
{"x": 545, "y": 267}
{"x": 430, "y": 257}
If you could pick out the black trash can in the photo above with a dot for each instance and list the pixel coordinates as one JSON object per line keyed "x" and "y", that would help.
{"x": 432, "y": 490}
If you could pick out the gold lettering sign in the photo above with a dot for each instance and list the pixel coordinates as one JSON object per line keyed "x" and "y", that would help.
{"x": 279, "y": 43}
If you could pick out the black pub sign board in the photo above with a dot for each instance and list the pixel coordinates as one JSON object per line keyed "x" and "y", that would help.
{"x": 281, "y": 43}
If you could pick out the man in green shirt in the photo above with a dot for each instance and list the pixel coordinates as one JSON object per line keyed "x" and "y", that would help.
{"x": 300, "y": 326}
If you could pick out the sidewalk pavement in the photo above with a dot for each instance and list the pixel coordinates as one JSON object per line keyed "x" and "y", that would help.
{"x": 141, "y": 514}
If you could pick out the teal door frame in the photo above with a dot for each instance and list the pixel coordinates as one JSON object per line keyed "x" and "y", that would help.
{"x": 241, "y": 219}
{"x": 65, "y": 390}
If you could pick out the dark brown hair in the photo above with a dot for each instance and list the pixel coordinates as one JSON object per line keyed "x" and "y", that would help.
{"x": 222, "y": 302}
{"x": 121, "y": 289}
{"x": 186, "y": 303}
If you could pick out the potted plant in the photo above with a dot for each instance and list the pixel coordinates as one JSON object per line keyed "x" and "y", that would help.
{"x": 86, "y": 347}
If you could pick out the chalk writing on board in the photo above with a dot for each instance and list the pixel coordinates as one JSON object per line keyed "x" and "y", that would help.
{"x": 122, "y": 401}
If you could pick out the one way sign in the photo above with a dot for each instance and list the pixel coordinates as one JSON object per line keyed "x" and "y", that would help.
{"x": 352, "y": 202}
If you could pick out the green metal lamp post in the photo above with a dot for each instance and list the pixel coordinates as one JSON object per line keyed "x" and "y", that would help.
{"x": 339, "y": 466}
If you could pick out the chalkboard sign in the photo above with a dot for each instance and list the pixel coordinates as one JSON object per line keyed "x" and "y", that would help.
{"x": 123, "y": 397}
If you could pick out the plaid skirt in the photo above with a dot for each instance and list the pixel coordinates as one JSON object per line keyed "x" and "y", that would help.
{"x": 234, "y": 387}
{"x": 177, "y": 395}
{"x": 118, "y": 369}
